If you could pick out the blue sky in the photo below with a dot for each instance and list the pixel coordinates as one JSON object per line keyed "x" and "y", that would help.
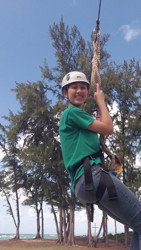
{"x": 25, "y": 43}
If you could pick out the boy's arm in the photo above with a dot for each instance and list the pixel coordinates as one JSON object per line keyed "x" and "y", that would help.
{"x": 103, "y": 125}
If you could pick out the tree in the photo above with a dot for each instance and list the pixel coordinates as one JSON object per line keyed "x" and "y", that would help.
{"x": 10, "y": 176}
{"x": 126, "y": 87}
{"x": 37, "y": 125}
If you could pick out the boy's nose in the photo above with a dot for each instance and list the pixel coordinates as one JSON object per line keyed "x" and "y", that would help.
{"x": 78, "y": 89}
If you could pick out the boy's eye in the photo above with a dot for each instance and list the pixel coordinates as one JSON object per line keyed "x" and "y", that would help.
{"x": 76, "y": 87}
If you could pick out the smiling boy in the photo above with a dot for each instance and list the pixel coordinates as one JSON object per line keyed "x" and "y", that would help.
{"x": 81, "y": 154}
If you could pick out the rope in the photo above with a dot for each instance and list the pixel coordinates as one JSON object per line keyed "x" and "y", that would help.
{"x": 95, "y": 78}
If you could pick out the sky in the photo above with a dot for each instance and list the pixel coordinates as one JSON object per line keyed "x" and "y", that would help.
{"x": 25, "y": 44}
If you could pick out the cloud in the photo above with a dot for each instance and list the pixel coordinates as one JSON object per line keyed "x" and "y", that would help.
{"x": 31, "y": 212}
{"x": 1, "y": 154}
{"x": 131, "y": 31}
{"x": 138, "y": 160}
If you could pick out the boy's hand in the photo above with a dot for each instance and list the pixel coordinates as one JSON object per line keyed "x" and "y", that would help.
{"x": 99, "y": 95}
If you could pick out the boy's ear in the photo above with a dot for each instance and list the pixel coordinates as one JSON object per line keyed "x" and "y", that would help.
{"x": 65, "y": 93}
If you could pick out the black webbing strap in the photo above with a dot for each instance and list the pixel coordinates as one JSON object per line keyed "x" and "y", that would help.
{"x": 88, "y": 175}
{"x": 106, "y": 182}
{"x": 87, "y": 169}
{"x": 90, "y": 209}
{"x": 93, "y": 156}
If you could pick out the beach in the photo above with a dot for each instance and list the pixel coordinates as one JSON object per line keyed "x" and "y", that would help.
{"x": 49, "y": 244}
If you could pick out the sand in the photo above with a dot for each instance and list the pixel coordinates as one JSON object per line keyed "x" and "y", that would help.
{"x": 81, "y": 244}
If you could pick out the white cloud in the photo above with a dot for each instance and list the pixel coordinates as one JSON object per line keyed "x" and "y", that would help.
{"x": 131, "y": 31}
{"x": 1, "y": 154}
{"x": 138, "y": 161}
{"x": 31, "y": 212}
{"x": 114, "y": 108}
{"x": 81, "y": 216}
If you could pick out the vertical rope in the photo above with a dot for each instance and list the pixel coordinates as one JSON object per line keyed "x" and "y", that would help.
{"x": 95, "y": 75}
{"x": 95, "y": 78}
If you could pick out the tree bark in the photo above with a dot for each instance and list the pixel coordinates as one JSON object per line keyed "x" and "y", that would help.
{"x": 105, "y": 230}
{"x": 56, "y": 221}
{"x": 38, "y": 222}
{"x": 17, "y": 237}
{"x": 71, "y": 240}
{"x": 90, "y": 240}
{"x": 60, "y": 239}
{"x": 96, "y": 239}
{"x": 126, "y": 230}
{"x": 42, "y": 220}
{"x": 64, "y": 226}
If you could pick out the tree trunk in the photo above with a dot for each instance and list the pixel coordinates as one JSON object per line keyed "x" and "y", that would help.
{"x": 126, "y": 230}
{"x": 116, "y": 231}
{"x": 56, "y": 221}
{"x": 38, "y": 222}
{"x": 10, "y": 207}
{"x": 71, "y": 240}
{"x": 106, "y": 229}
{"x": 60, "y": 239}
{"x": 90, "y": 240}
{"x": 105, "y": 234}
{"x": 17, "y": 236}
{"x": 64, "y": 226}
{"x": 96, "y": 239}
{"x": 42, "y": 220}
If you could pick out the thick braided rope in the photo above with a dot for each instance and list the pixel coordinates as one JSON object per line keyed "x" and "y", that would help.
{"x": 95, "y": 76}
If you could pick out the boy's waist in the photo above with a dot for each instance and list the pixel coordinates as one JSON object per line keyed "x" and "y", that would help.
{"x": 98, "y": 154}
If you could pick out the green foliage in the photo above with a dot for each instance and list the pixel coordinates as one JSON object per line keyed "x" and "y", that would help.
{"x": 125, "y": 92}
{"x": 120, "y": 236}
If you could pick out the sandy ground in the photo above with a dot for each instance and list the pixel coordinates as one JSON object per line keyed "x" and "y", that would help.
{"x": 81, "y": 244}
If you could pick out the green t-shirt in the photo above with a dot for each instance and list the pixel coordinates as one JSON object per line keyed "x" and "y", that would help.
{"x": 77, "y": 141}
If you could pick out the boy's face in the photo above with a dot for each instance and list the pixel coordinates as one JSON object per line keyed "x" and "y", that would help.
{"x": 77, "y": 93}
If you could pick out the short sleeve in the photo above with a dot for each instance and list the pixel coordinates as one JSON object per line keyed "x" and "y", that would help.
{"x": 79, "y": 118}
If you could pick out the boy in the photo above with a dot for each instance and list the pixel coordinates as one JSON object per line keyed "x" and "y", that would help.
{"x": 81, "y": 154}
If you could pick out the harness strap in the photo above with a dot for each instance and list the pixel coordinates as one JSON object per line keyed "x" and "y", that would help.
{"x": 90, "y": 209}
{"x": 87, "y": 170}
{"x": 88, "y": 175}
{"x": 95, "y": 155}
{"x": 106, "y": 182}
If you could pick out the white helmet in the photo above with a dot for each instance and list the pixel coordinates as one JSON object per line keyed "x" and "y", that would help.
{"x": 74, "y": 76}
